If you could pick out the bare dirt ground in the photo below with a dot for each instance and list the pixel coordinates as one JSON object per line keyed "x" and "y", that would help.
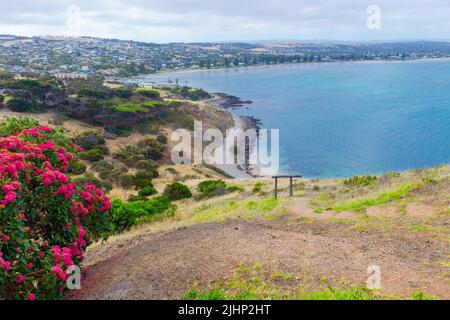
{"x": 165, "y": 265}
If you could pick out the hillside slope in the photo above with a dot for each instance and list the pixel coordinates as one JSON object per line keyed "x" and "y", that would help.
{"x": 249, "y": 242}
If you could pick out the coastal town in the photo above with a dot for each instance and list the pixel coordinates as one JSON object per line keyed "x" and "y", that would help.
{"x": 82, "y": 57}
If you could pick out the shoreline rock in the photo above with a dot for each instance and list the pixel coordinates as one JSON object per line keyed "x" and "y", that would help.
{"x": 228, "y": 101}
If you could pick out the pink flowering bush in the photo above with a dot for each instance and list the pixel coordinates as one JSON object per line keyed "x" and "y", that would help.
{"x": 46, "y": 221}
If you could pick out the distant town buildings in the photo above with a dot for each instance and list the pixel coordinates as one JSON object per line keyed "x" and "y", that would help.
{"x": 71, "y": 57}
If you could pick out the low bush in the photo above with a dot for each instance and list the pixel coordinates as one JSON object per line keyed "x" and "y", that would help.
{"x": 92, "y": 155}
{"x": 147, "y": 165}
{"x": 77, "y": 168}
{"x": 258, "y": 188}
{"x": 91, "y": 139}
{"x": 210, "y": 188}
{"x": 123, "y": 216}
{"x": 149, "y": 149}
{"x": 177, "y": 191}
{"x": 147, "y": 191}
{"x": 149, "y": 93}
{"x": 143, "y": 179}
{"x": 126, "y": 180}
{"x": 22, "y": 105}
{"x": 363, "y": 181}
{"x": 126, "y": 215}
{"x": 89, "y": 178}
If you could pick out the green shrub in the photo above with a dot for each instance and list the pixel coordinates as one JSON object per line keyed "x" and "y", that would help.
{"x": 419, "y": 295}
{"x": 210, "y": 188}
{"x": 89, "y": 178}
{"x": 77, "y": 168}
{"x": 234, "y": 188}
{"x": 123, "y": 217}
{"x": 147, "y": 191}
{"x": 151, "y": 148}
{"x": 148, "y": 149}
{"x": 127, "y": 214}
{"x": 392, "y": 174}
{"x": 191, "y": 93}
{"x": 91, "y": 139}
{"x": 92, "y": 155}
{"x": 21, "y": 105}
{"x": 155, "y": 205}
{"x": 126, "y": 180}
{"x": 258, "y": 188}
{"x": 362, "y": 181}
{"x": 143, "y": 179}
{"x": 149, "y": 93}
{"x": 177, "y": 191}
{"x": 102, "y": 166}
{"x": 147, "y": 165}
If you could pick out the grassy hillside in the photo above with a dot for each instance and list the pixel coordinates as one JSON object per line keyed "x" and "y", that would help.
{"x": 315, "y": 245}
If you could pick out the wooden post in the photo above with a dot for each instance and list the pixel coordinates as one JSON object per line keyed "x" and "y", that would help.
{"x": 276, "y": 187}
{"x": 291, "y": 191}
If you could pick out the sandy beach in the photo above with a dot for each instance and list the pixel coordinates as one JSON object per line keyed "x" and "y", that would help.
{"x": 236, "y": 171}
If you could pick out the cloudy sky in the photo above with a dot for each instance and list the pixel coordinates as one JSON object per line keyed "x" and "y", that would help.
{"x": 227, "y": 20}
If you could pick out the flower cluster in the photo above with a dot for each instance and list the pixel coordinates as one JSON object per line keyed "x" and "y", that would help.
{"x": 46, "y": 221}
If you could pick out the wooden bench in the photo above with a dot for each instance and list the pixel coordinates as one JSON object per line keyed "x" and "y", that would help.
{"x": 291, "y": 178}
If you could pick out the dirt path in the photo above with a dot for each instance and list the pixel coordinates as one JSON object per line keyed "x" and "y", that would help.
{"x": 166, "y": 265}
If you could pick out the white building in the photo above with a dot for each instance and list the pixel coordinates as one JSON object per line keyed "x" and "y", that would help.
{"x": 147, "y": 85}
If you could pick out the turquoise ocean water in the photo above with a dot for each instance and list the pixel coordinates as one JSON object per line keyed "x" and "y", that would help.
{"x": 340, "y": 120}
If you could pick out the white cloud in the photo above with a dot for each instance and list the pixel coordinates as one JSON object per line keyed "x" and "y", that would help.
{"x": 217, "y": 20}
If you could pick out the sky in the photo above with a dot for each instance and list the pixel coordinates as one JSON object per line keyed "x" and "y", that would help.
{"x": 165, "y": 21}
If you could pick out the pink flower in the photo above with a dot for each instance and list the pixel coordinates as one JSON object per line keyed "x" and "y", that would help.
{"x": 68, "y": 226}
{"x": 57, "y": 270}
{"x": 6, "y": 265}
{"x": 47, "y": 182}
{"x": 67, "y": 256}
{"x": 30, "y": 265}
{"x": 32, "y": 297}
{"x": 57, "y": 252}
{"x": 63, "y": 178}
{"x": 10, "y": 197}
{"x": 5, "y": 237}
{"x": 42, "y": 254}
{"x": 21, "y": 279}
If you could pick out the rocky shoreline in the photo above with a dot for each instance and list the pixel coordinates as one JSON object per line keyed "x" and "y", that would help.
{"x": 230, "y": 102}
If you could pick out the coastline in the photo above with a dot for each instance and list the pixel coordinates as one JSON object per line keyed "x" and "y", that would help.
{"x": 218, "y": 101}
{"x": 221, "y": 101}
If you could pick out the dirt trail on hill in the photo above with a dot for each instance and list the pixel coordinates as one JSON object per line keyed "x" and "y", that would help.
{"x": 166, "y": 265}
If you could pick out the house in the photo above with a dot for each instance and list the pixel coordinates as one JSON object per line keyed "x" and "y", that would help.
{"x": 147, "y": 85}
